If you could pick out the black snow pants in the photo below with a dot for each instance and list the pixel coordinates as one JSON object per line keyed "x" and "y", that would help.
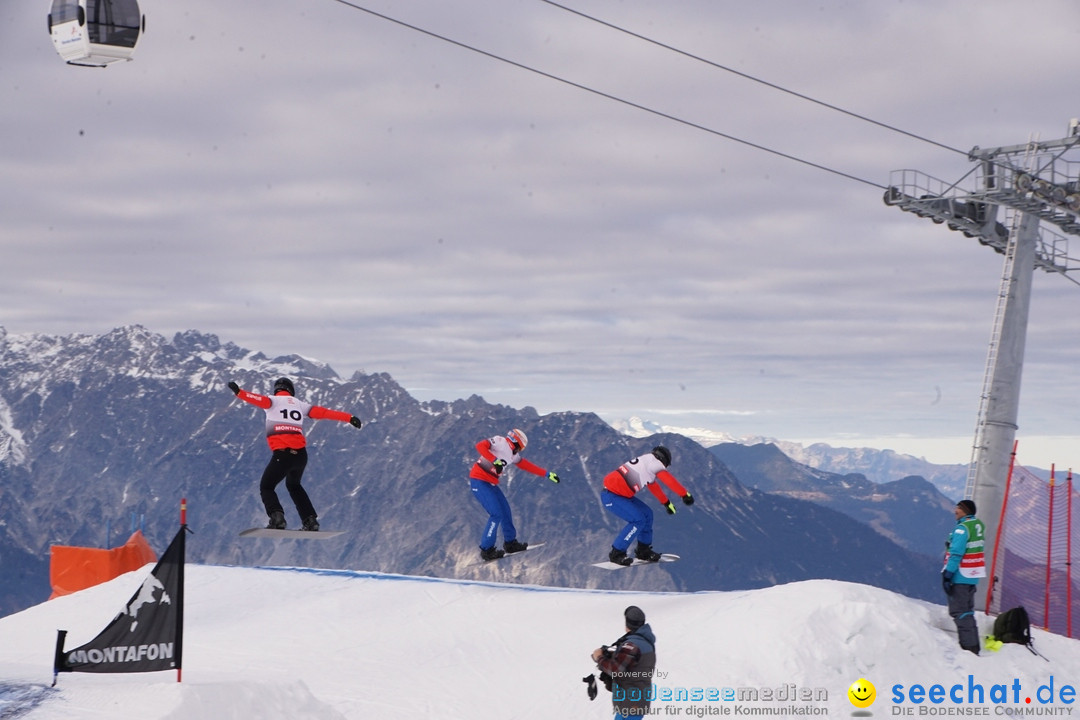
{"x": 287, "y": 465}
{"x": 962, "y": 610}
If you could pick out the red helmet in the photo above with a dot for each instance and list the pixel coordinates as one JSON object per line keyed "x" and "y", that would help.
{"x": 518, "y": 437}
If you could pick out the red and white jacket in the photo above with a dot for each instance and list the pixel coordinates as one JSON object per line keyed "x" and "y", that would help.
{"x": 643, "y": 471}
{"x": 499, "y": 448}
{"x": 285, "y": 417}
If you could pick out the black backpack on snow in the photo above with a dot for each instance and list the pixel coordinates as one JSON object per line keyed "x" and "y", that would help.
{"x": 1013, "y": 626}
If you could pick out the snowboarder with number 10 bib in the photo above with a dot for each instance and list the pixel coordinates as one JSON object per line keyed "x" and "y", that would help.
{"x": 622, "y": 484}
{"x": 285, "y": 415}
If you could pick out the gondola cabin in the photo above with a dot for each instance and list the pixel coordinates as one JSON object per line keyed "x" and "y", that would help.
{"x": 95, "y": 33}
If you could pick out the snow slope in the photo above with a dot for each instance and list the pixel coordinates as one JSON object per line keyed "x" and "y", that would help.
{"x": 297, "y": 643}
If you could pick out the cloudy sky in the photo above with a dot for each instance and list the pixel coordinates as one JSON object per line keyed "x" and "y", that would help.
{"x": 304, "y": 176}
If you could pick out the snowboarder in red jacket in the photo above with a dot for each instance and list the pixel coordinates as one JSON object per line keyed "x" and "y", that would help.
{"x": 285, "y": 415}
{"x": 495, "y": 455}
{"x": 620, "y": 487}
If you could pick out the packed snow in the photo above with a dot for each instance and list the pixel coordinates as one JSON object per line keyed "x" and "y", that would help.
{"x": 300, "y": 643}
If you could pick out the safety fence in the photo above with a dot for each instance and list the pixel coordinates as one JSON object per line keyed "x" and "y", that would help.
{"x": 1033, "y": 550}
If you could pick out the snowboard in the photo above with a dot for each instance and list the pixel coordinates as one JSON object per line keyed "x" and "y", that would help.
{"x": 509, "y": 555}
{"x": 291, "y": 534}
{"x": 608, "y": 565}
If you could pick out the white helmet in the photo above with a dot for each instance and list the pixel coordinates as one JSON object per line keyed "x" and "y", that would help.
{"x": 517, "y": 437}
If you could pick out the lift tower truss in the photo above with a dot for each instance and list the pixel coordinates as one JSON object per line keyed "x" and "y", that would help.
{"x": 1037, "y": 191}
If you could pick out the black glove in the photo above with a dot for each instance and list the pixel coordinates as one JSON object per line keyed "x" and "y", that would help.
{"x": 234, "y": 387}
{"x": 688, "y": 499}
{"x": 355, "y": 421}
{"x": 669, "y": 507}
{"x": 946, "y": 581}
{"x": 499, "y": 465}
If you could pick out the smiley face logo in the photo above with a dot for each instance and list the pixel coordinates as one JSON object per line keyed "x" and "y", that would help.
{"x": 862, "y": 693}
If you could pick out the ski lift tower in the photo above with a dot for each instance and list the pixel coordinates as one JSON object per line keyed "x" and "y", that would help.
{"x": 1039, "y": 192}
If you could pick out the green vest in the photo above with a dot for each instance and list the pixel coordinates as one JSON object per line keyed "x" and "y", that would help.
{"x": 973, "y": 563}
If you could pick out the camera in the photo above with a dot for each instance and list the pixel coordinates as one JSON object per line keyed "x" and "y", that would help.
{"x": 591, "y": 689}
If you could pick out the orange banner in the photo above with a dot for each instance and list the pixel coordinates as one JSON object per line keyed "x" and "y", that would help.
{"x": 77, "y": 568}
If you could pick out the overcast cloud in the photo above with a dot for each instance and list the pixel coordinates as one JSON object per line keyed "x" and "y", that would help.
{"x": 299, "y": 176}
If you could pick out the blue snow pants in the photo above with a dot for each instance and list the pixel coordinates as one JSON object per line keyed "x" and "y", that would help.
{"x": 638, "y": 517}
{"x": 498, "y": 509}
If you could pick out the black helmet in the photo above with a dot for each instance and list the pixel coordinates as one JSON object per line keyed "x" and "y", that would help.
{"x": 284, "y": 384}
{"x": 662, "y": 454}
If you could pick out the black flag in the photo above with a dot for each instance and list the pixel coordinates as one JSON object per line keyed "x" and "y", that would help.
{"x": 148, "y": 633}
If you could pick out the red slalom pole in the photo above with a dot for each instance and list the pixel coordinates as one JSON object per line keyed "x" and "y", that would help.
{"x": 1068, "y": 555}
{"x": 1049, "y": 552}
{"x": 997, "y": 534}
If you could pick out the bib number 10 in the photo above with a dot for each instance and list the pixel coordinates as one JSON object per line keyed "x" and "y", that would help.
{"x": 291, "y": 415}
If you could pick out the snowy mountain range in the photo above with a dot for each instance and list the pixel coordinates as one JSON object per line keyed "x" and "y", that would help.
{"x": 325, "y": 645}
{"x": 910, "y": 511}
{"x": 97, "y": 430}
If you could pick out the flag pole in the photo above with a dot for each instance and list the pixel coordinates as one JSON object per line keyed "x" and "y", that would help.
{"x": 58, "y": 656}
{"x": 180, "y": 606}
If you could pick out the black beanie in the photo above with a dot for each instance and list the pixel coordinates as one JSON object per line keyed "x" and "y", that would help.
{"x": 635, "y": 617}
{"x": 967, "y": 506}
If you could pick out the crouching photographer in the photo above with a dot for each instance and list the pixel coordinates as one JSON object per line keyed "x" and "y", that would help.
{"x": 627, "y": 665}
